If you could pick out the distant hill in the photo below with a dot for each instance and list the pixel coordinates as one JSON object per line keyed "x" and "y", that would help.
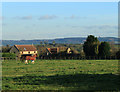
{"x": 76, "y": 40}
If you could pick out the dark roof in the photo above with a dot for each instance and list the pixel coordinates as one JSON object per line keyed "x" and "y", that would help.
{"x": 26, "y": 47}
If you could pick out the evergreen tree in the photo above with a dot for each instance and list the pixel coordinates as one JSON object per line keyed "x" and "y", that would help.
{"x": 104, "y": 49}
{"x": 90, "y": 46}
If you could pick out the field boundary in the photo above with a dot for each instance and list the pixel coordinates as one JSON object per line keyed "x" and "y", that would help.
{"x": 78, "y": 57}
{"x": 66, "y": 58}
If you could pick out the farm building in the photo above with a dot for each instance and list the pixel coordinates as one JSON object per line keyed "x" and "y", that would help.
{"x": 52, "y": 50}
{"x": 23, "y": 50}
{"x": 43, "y": 51}
{"x": 58, "y": 50}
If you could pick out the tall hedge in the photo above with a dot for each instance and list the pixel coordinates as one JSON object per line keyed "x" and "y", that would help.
{"x": 10, "y": 55}
{"x": 118, "y": 54}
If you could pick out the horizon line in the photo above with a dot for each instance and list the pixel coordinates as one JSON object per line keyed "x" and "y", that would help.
{"x": 61, "y": 38}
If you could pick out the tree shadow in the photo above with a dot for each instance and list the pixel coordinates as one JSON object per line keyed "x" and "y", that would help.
{"x": 73, "y": 82}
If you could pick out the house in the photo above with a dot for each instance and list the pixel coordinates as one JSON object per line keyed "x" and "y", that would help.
{"x": 23, "y": 50}
{"x": 59, "y": 50}
{"x": 53, "y": 50}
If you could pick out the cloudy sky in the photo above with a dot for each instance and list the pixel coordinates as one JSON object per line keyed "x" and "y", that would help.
{"x": 49, "y": 20}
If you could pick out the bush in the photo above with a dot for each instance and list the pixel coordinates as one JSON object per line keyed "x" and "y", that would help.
{"x": 6, "y": 49}
{"x": 10, "y": 55}
{"x": 118, "y": 54}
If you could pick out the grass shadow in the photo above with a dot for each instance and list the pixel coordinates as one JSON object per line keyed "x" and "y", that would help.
{"x": 72, "y": 82}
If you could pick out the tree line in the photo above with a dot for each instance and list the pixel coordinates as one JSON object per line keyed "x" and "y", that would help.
{"x": 92, "y": 47}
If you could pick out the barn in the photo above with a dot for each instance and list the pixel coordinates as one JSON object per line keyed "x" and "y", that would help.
{"x": 58, "y": 50}
{"x": 22, "y": 51}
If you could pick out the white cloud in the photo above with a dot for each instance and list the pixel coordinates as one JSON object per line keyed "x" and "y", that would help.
{"x": 102, "y": 27}
{"x": 72, "y": 17}
{"x": 1, "y": 17}
{"x": 47, "y": 17}
{"x": 75, "y": 17}
{"x": 24, "y": 17}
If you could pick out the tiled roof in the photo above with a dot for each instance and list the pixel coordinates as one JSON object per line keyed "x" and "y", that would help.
{"x": 26, "y": 47}
{"x": 58, "y": 49}
{"x": 48, "y": 49}
{"x": 53, "y": 50}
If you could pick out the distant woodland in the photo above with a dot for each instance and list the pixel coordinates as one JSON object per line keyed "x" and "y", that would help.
{"x": 92, "y": 46}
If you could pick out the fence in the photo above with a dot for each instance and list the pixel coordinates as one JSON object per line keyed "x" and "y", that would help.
{"x": 79, "y": 58}
{"x": 67, "y": 58}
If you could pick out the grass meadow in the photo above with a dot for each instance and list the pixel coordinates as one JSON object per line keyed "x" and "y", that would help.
{"x": 60, "y": 75}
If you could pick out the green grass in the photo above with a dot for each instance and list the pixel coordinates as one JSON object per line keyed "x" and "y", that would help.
{"x": 60, "y": 75}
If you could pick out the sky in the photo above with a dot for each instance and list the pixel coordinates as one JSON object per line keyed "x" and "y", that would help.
{"x": 50, "y": 20}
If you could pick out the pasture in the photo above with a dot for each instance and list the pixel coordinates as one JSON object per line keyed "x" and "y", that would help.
{"x": 60, "y": 75}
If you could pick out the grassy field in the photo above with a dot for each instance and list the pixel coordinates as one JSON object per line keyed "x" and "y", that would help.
{"x": 60, "y": 75}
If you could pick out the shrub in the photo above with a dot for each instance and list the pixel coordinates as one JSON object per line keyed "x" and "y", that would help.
{"x": 11, "y": 55}
{"x": 118, "y": 54}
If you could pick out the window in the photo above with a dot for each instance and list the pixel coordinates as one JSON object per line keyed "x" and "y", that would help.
{"x": 24, "y": 48}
